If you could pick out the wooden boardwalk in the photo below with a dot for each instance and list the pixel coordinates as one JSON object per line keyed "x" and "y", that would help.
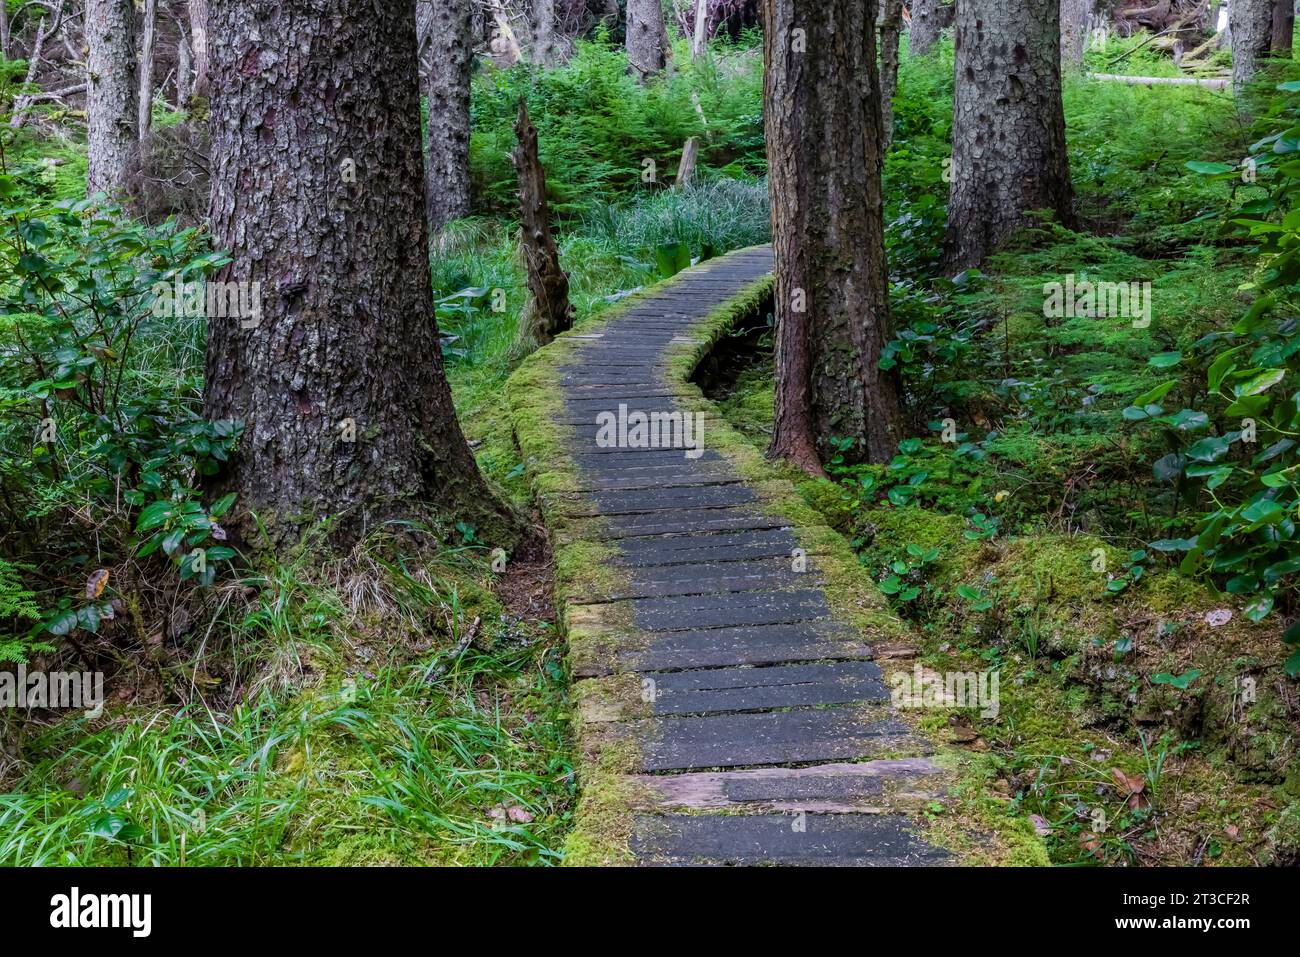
{"x": 752, "y": 723}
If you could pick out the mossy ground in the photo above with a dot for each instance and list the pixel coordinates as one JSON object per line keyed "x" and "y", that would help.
{"x": 1090, "y": 675}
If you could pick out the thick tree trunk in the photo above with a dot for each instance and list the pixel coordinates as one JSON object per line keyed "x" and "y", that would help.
{"x": 1076, "y": 22}
{"x": 647, "y": 37}
{"x": 550, "y": 47}
{"x": 200, "y": 18}
{"x": 318, "y": 195}
{"x": 927, "y": 27}
{"x": 1009, "y": 156}
{"x": 823, "y": 125}
{"x": 891, "y": 28}
{"x": 112, "y": 96}
{"x": 1283, "y": 33}
{"x": 548, "y": 312}
{"x": 447, "y": 90}
{"x": 1251, "y": 23}
{"x": 146, "y": 67}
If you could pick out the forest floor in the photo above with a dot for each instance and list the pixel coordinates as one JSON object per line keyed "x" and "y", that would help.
{"x": 409, "y": 704}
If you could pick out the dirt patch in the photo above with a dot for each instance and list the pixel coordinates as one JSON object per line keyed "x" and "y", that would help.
{"x": 527, "y": 585}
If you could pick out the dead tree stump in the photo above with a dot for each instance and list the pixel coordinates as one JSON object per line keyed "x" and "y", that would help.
{"x": 548, "y": 312}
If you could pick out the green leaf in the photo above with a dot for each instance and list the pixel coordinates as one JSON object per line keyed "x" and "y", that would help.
{"x": 1210, "y": 449}
{"x": 1165, "y": 360}
{"x": 1220, "y": 367}
{"x": 1156, "y": 394}
{"x": 1262, "y": 382}
{"x": 1292, "y": 665}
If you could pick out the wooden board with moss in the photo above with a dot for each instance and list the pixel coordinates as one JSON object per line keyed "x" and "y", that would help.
{"x": 721, "y": 635}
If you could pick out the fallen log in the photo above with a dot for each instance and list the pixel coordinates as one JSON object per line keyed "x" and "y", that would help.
{"x": 1210, "y": 83}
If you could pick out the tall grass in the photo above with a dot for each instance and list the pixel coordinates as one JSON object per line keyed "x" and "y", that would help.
{"x": 371, "y": 731}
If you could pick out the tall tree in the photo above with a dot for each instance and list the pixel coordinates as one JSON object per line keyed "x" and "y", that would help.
{"x": 112, "y": 96}
{"x": 1076, "y": 21}
{"x": 927, "y": 26}
{"x": 550, "y": 46}
{"x": 200, "y": 18}
{"x": 647, "y": 37}
{"x": 700, "y": 35}
{"x": 1283, "y": 31}
{"x": 318, "y": 194}
{"x": 146, "y": 66}
{"x": 1251, "y": 24}
{"x": 184, "y": 64}
{"x": 447, "y": 38}
{"x": 891, "y": 28}
{"x": 1008, "y": 136}
{"x": 822, "y": 114}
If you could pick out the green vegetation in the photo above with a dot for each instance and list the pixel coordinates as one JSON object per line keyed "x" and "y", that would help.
{"x": 1056, "y": 465}
{"x": 1077, "y": 502}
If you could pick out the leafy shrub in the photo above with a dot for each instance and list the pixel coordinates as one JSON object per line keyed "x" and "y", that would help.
{"x": 1248, "y": 463}
{"x": 102, "y": 430}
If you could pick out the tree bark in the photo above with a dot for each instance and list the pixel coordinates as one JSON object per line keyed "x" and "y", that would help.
{"x": 1009, "y": 155}
{"x": 647, "y": 38}
{"x": 927, "y": 27}
{"x": 823, "y": 126}
{"x": 690, "y": 157}
{"x": 1251, "y": 23}
{"x": 1283, "y": 31}
{"x": 447, "y": 90}
{"x": 112, "y": 96}
{"x": 184, "y": 65}
{"x": 1076, "y": 22}
{"x": 548, "y": 312}
{"x": 200, "y": 18}
{"x": 318, "y": 195}
{"x": 550, "y": 47}
{"x": 700, "y": 37}
{"x": 891, "y": 28}
{"x": 146, "y": 67}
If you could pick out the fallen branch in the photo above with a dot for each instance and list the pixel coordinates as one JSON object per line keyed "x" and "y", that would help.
{"x": 1207, "y": 82}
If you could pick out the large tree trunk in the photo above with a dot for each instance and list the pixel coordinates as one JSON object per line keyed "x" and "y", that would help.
{"x": 647, "y": 37}
{"x": 200, "y": 18}
{"x": 822, "y": 108}
{"x": 318, "y": 194}
{"x": 1076, "y": 22}
{"x": 447, "y": 90}
{"x": 1283, "y": 33}
{"x": 891, "y": 28}
{"x": 1251, "y": 23}
{"x": 548, "y": 312}
{"x": 1009, "y": 156}
{"x": 927, "y": 27}
{"x": 550, "y": 47}
{"x": 146, "y": 67}
{"x": 112, "y": 96}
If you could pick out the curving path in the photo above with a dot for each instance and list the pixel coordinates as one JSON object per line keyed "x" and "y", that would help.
{"x": 730, "y": 712}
